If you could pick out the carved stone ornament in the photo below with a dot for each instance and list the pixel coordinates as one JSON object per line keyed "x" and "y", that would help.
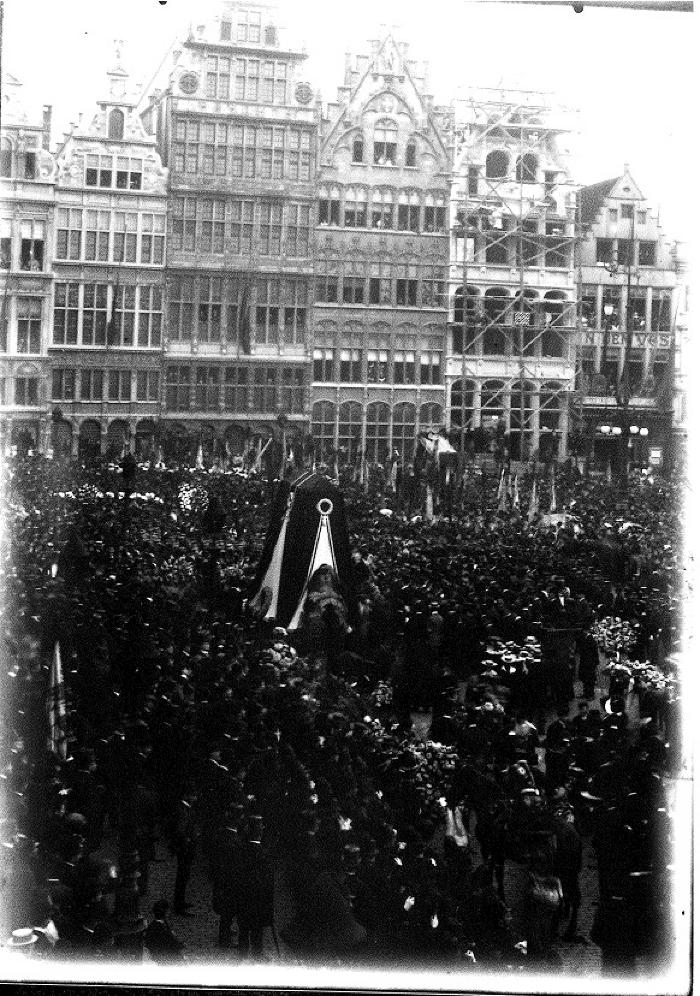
{"x": 189, "y": 83}
{"x": 303, "y": 93}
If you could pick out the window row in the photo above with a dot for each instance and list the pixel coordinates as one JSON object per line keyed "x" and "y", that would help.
{"x": 240, "y": 389}
{"x": 647, "y": 372}
{"x": 220, "y": 148}
{"x": 248, "y": 28}
{"x": 342, "y": 428}
{"x": 610, "y": 315}
{"x": 105, "y": 385}
{"x": 384, "y": 146}
{"x": 271, "y": 228}
{"x": 497, "y": 307}
{"x": 416, "y": 287}
{"x": 107, "y": 314}
{"x": 255, "y": 80}
{"x": 110, "y": 236}
{"x": 267, "y": 310}
{"x": 627, "y": 213}
{"x": 377, "y": 366}
{"x": 625, "y": 252}
{"x": 386, "y": 208}
{"x": 113, "y": 172}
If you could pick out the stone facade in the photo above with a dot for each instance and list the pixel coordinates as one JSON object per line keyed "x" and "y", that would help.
{"x": 631, "y": 299}
{"x": 237, "y": 127}
{"x": 381, "y": 252}
{"x": 109, "y": 264}
{"x": 511, "y": 359}
{"x": 27, "y": 181}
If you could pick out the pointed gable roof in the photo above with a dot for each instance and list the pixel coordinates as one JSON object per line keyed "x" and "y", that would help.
{"x": 593, "y": 197}
{"x": 388, "y": 61}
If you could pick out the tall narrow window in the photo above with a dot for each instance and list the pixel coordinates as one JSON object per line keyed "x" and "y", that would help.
{"x": 385, "y": 140}
{"x": 32, "y": 246}
{"x": 115, "y": 127}
{"x": 411, "y": 153}
{"x": 29, "y": 325}
{"x": 69, "y": 233}
{"x": 358, "y": 149}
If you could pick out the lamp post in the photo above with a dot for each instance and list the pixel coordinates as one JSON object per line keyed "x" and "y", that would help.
{"x": 622, "y": 387}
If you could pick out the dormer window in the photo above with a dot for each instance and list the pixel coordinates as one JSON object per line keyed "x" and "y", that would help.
{"x": 411, "y": 153}
{"x": 270, "y": 35}
{"x": 248, "y": 26}
{"x": 385, "y": 135}
{"x": 358, "y": 149}
{"x": 115, "y": 126}
{"x": 225, "y": 31}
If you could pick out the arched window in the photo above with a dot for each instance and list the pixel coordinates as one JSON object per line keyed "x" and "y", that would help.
{"x": 5, "y": 157}
{"x": 404, "y": 434}
{"x": 115, "y": 127}
{"x": 524, "y": 320}
{"x": 554, "y": 316}
{"x": 496, "y": 314}
{"x": 385, "y": 136}
{"x": 358, "y": 148}
{"x": 323, "y": 427}
{"x": 349, "y": 430}
{"x": 430, "y": 415}
{"x": 521, "y": 398}
{"x": 497, "y": 163}
{"x": 411, "y": 152}
{"x": 550, "y": 405}
{"x": 526, "y": 168}
{"x": 459, "y": 415}
{"x": 377, "y": 431}
{"x": 492, "y": 403}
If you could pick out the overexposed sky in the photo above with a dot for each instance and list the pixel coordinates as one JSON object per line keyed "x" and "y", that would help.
{"x": 629, "y": 72}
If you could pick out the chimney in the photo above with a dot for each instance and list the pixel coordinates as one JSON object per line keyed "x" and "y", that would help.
{"x": 46, "y": 126}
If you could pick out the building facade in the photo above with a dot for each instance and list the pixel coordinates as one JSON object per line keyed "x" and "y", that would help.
{"x": 27, "y": 182}
{"x": 109, "y": 264}
{"x": 630, "y": 400}
{"x": 380, "y": 259}
{"x": 237, "y": 128}
{"x": 513, "y": 289}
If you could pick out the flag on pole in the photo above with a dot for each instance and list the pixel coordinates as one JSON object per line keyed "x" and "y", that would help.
{"x": 553, "y": 503}
{"x": 283, "y": 465}
{"x": 393, "y": 477}
{"x": 534, "y": 502}
{"x": 243, "y": 319}
{"x": 608, "y": 472}
{"x": 516, "y": 493}
{"x": 429, "y": 514}
{"x": 159, "y": 460}
{"x": 200, "y": 456}
{"x": 114, "y": 319}
{"x": 57, "y": 707}
{"x": 336, "y": 472}
{"x": 501, "y": 495}
{"x": 365, "y": 473}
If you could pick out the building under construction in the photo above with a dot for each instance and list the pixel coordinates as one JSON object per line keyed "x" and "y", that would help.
{"x": 513, "y": 286}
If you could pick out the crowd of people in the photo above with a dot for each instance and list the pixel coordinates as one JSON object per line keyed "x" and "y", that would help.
{"x": 383, "y": 784}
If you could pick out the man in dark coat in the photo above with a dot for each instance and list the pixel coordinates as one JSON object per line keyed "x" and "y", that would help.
{"x": 161, "y": 943}
{"x": 184, "y": 845}
{"x": 257, "y": 885}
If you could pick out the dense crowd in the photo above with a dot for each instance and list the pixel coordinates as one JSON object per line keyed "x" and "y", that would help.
{"x": 290, "y": 764}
